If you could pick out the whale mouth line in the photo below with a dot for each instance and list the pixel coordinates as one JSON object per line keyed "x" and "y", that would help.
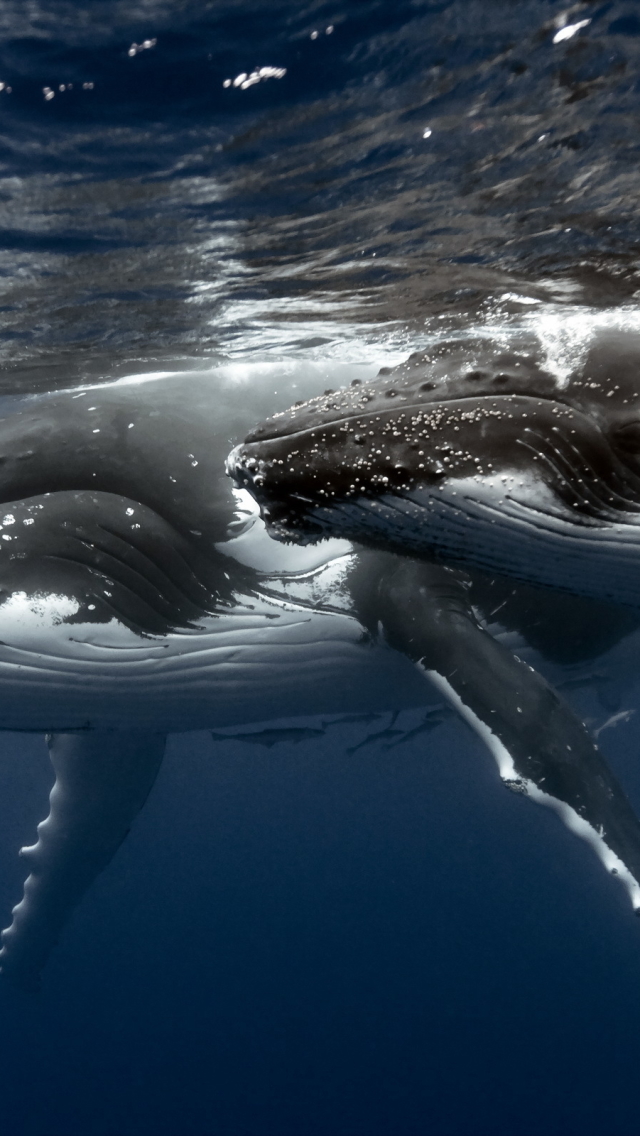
{"x": 584, "y": 497}
{"x": 255, "y": 438}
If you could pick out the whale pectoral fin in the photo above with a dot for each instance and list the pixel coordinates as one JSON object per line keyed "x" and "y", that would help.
{"x": 541, "y": 747}
{"x": 102, "y": 781}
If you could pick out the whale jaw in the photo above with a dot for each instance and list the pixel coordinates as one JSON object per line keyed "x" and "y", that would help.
{"x": 513, "y": 523}
{"x": 293, "y": 520}
{"x": 527, "y": 485}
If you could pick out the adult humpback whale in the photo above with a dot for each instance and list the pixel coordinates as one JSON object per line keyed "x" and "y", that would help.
{"x": 140, "y": 595}
{"x": 468, "y": 457}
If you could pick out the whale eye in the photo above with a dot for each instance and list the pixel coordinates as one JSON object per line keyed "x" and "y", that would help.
{"x": 329, "y": 391}
{"x": 502, "y": 378}
{"x": 390, "y": 393}
{"x": 476, "y": 376}
{"x": 427, "y": 386}
{"x": 627, "y": 438}
{"x": 358, "y": 382}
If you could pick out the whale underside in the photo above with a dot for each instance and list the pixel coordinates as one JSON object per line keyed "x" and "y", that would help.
{"x": 141, "y": 594}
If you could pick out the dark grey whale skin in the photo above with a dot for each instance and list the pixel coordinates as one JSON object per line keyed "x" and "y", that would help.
{"x": 468, "y": 415}
{"x": 375, "y": 463}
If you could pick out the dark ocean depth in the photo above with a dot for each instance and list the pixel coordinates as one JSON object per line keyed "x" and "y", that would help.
{"x": 320, "y": 935}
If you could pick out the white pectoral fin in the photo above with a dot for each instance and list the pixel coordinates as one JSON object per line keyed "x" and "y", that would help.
{"x": 102, "y": 781}
{"x": 594, "y": 833}
{"x": 541, "y": 747}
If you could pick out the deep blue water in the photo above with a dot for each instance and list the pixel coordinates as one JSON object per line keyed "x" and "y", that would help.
{"x": 300, "y": 940}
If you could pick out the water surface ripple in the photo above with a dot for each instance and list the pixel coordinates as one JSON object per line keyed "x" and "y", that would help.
{"x": 397, "y": 164}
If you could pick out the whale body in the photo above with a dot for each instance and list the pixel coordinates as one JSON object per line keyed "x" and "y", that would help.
{"x": 470, "y": 458}
{"x": 140, "y": 596}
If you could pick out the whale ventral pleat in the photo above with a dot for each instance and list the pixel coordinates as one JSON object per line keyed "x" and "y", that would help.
{"x": 627, "y": 437}
{"x": 116, "y": 557}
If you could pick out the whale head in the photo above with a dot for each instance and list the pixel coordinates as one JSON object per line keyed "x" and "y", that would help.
{"x": 472, "y": 455}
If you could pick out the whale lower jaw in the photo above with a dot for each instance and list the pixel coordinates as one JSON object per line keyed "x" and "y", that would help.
{"x": 516, "y": 530}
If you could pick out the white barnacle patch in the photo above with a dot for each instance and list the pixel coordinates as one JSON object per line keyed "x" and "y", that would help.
{"x": 248, "y": 79}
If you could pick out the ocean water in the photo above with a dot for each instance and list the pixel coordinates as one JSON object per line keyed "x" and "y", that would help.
{"x": 329, "y": 919}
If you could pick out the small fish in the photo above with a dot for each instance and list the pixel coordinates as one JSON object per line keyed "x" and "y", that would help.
{"x": 430, "y": 722}
{"x": 270, "y": 738}
{"x": 614, "y": 720}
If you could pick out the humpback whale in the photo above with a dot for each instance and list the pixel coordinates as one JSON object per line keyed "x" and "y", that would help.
{"x": 476, "y": 462}
{"x": 140, "y": 596}
{"x": 473, "y": 456}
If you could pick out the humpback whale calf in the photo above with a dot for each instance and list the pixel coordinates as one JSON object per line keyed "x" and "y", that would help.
{"x": 474, "y": 461}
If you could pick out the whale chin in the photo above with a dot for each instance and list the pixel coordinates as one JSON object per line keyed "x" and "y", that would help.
{"x": 293, "y": 520}
{"x": 512, "y": 526}
{"x": 288, "y": 527}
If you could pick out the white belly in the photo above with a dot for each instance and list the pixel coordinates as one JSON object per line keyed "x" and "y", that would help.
{"x": 261, "y": 660}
